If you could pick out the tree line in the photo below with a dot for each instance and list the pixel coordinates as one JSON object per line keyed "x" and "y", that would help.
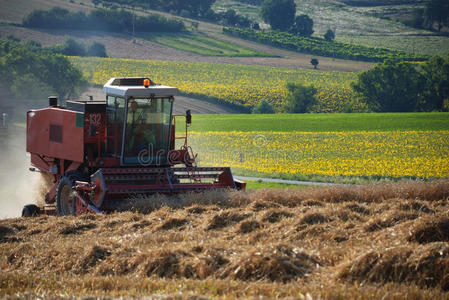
{"x": 101, "y": 19}
{"x": 192, "y": 8}
{"x": 29, "y": 71}
{"x": 199, "y": 9}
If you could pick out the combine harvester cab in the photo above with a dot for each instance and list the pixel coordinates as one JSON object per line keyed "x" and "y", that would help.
{"x": 101, "y": 153}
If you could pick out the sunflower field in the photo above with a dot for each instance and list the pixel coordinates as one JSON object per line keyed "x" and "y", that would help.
{"x": 236, "y": 85}
{"x": 396, "y": 154}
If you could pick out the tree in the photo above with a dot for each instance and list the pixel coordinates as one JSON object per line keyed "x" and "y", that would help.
{"x": 417, "y": 20}
{"x": 314, "y": 62}
{"x": 300, "y": 98}
{"x": 280, "y": 14}
{"x": 303, "y": 25}
{"x": 329, "y": 35}
{"x": 390, "y": 87}
{"x": 40, "y": 69}
{"x": 62, "y": 76}
{"x": 195, "y": 8}
{"x": 437, "y": 11}
{"x": 199, "y": 7}
{"x": 263, "y": 108}
{"x": 435, "y": 95}
{"x": 97, "y": 49}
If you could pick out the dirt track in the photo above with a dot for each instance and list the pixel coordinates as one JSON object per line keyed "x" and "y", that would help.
{"x": 180, "y": 106}
{"x": 17, "y": 182}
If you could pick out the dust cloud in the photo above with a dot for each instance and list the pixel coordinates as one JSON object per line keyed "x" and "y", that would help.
{"x": 18, "y": 185}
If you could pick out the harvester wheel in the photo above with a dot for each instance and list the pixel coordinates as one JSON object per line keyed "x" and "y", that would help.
{"x": 65, "y": 200}
{"x": 30, "y": 210}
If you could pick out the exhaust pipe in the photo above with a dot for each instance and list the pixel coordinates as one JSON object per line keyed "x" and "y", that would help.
{"x": 53, "y": 101}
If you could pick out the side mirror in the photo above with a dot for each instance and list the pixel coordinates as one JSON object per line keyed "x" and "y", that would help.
{"x": 188, "y": 117}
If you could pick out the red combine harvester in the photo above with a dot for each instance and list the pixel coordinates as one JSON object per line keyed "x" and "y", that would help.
{"x": 101, "y": 153}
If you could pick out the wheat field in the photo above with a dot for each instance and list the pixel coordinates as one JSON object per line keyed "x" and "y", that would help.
{"x": 343, "y": 242}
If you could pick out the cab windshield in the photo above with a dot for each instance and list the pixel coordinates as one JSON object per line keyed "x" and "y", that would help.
{"x": 147, "y": 131}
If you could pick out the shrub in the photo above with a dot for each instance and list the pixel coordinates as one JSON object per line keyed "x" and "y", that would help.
{"x": 263, "y": 108}
{"x": 97, "y": 49}
{"x": 74, "y": 48}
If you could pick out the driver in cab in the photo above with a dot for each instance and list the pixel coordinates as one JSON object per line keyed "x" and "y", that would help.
{"x": 141, "y": 136}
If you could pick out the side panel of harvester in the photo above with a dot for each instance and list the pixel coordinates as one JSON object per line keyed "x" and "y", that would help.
{"x": 55, "y": 133}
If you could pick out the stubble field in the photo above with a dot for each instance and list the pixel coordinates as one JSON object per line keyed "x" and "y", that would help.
{"x": 365, "y": 242}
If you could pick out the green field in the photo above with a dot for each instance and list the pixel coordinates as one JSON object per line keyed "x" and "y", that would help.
{"x": 323, "y": 122}
{"x": 259, "y": 184}
{"x": 418, "y": 44}
{"x": 203, "y": 45}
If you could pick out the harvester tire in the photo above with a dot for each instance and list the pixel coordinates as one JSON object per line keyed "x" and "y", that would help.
{"x": 30, "y": 210}
{"x": 65, "y": 200}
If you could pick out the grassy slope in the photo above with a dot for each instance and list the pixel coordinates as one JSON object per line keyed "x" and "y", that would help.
{"x": 359, "y": 25}
{"x": 428, "y": 45}
{"x": 323, "y": 122}
{"x": 204, "y": 45}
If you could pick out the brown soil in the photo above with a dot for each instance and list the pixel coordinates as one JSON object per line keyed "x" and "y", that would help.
{"x": 359, "y": 242}
{"x": 290, "y": 59}
{"x": 124, "y": 46}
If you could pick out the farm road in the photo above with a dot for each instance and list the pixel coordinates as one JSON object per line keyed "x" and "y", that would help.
{"x": 181, "y": 104}
{"x": 286, "y": 181}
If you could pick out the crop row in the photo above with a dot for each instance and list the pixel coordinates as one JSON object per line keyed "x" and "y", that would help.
{"x": 321, "y": 47}
{"x": 238, "y": 85}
